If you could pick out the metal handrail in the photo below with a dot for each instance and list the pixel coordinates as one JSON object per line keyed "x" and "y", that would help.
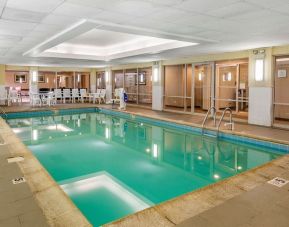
{"x": 207, "y": 115}
{"x": 222, "y": 117}
{"x": 3, "y": 112}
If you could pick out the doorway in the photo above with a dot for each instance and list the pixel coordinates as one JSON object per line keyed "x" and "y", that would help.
{"x": 231, "y": 87}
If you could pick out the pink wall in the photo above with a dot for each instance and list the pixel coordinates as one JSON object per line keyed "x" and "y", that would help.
{"x": 9, "y": 80}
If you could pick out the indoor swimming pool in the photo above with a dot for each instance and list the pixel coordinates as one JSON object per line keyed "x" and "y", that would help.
{"x": 113, "y": 164}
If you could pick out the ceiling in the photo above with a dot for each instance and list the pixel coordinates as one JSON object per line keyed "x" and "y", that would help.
{"x": 103, "y": 45}
{"x": 30, "y": 27}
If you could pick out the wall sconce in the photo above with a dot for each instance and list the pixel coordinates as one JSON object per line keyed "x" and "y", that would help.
{"x": 156, "y": 74}
{"x": 200, "y": 76}
{"x": 227, "y": 76}
{"x": 78, "y": 78}
{"x": 259, "y": 69}
{"x": 141, "y": 78}
{"x": 34, "y": 76}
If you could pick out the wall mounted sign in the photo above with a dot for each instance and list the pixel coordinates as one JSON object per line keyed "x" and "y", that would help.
{"x": 282, "y": 73}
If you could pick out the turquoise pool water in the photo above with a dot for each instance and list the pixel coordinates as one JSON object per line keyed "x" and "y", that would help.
{"x": 111, "y": 166}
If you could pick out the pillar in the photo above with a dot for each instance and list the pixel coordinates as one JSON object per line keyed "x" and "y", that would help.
{"x": 108, "y": 84}
{"x": 157, "y": 143}
{"x": 157, "y": 86}
{"x": 93, "y": 80}
{"x": 33, "y": 79}
{"x": 261, "y": 88}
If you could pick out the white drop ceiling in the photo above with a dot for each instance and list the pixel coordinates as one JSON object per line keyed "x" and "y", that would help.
{"x": 31, "y": 31}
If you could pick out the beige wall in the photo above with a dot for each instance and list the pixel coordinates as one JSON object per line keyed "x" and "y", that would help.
{"x": 2, "y": 75}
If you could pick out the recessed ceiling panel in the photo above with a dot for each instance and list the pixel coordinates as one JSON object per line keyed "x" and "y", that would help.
{"x": 106, "y": 45}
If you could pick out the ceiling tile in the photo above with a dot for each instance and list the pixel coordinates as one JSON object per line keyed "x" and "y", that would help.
{"x": 202, "y": 6}
{"x": 54, "y": 19}
{"x": 169, "y": 14}
{"x": 136, "y": 8}
{"x": 267, "y": 3}
{"x": 43, "y": 6}
{"x": 8, "y": 27}
{"x": 22, "y": 15}
{"x": 74, "y": 10}
{"x": 261, "y": 17}
{"x": 112, "y": 17}
{"x": 101, "y": 4}
{"x": 234, "y": 9}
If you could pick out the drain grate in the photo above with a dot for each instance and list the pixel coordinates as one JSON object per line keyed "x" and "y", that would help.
{"x": 278, "y": 181}
{"x": 18, "y": 180}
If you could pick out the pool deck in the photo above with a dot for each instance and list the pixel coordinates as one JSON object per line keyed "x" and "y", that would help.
{"x": 243, "y": 200}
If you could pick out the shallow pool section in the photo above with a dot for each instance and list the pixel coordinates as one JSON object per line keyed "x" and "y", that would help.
{"x": 113, "y": 166}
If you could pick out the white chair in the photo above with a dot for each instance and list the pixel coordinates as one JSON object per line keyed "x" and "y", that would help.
{"x": 13, "y": 97}
{"x": 116, "y": 95}
{"x": 75, "y": 95}
{"x": 83, "y": 95}
{"x": 35, "y": 99}
{"x": 3, "y": 96}
{"x": 102, "y": 96}
{"x": 58, "y": 94}
{"x": 66, "y": 95}
{"x": 94, "y": 96}
{"x": 49, "y": 99}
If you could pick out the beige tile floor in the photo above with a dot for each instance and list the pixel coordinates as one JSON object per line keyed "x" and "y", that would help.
{"x": 17, "y": 204}
{"x": 243, "y": 200}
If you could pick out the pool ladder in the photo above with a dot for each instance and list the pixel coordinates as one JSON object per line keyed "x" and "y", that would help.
{"x": 206, "y": 117}
{"x": 231, "y": 123}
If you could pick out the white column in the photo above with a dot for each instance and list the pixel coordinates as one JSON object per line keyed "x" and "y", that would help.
{"x": 157, "y": 86}
{"x": 261, "y": 88}
{"x": 93, "y": 80}
{"x": 108, "y": 83}
{"x": 157, "y": 143}
{"x": 33, "y": 79}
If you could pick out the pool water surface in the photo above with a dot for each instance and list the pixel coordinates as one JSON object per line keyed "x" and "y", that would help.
{"x": 112, "y": 167}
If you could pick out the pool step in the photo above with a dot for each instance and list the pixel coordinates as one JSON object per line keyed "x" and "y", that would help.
{"x": 210, "y": 135}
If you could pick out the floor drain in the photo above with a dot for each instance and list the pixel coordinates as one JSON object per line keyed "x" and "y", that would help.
{"x": 279, "y": 182}
{"x": 15, "y": 159}
{"x": 18, "y": 180}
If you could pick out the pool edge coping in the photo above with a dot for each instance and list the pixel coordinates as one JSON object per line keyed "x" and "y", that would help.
{"x": 46, "y": 192}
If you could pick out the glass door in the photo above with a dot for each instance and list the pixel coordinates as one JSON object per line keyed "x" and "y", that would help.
{"x": 232, "y": 87}
{"x": 65, "y": 80}
{"x": 100, "y": 80}
{"x": 281, "y": 94}
{"x": 202, "y": 87}
{"x": 174, "y": 87}
{"x": 117, "y": 80}
{"x": 82, "y": 80}
{"x": 130, "y": 85}
{"x": 145, "y": 86}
